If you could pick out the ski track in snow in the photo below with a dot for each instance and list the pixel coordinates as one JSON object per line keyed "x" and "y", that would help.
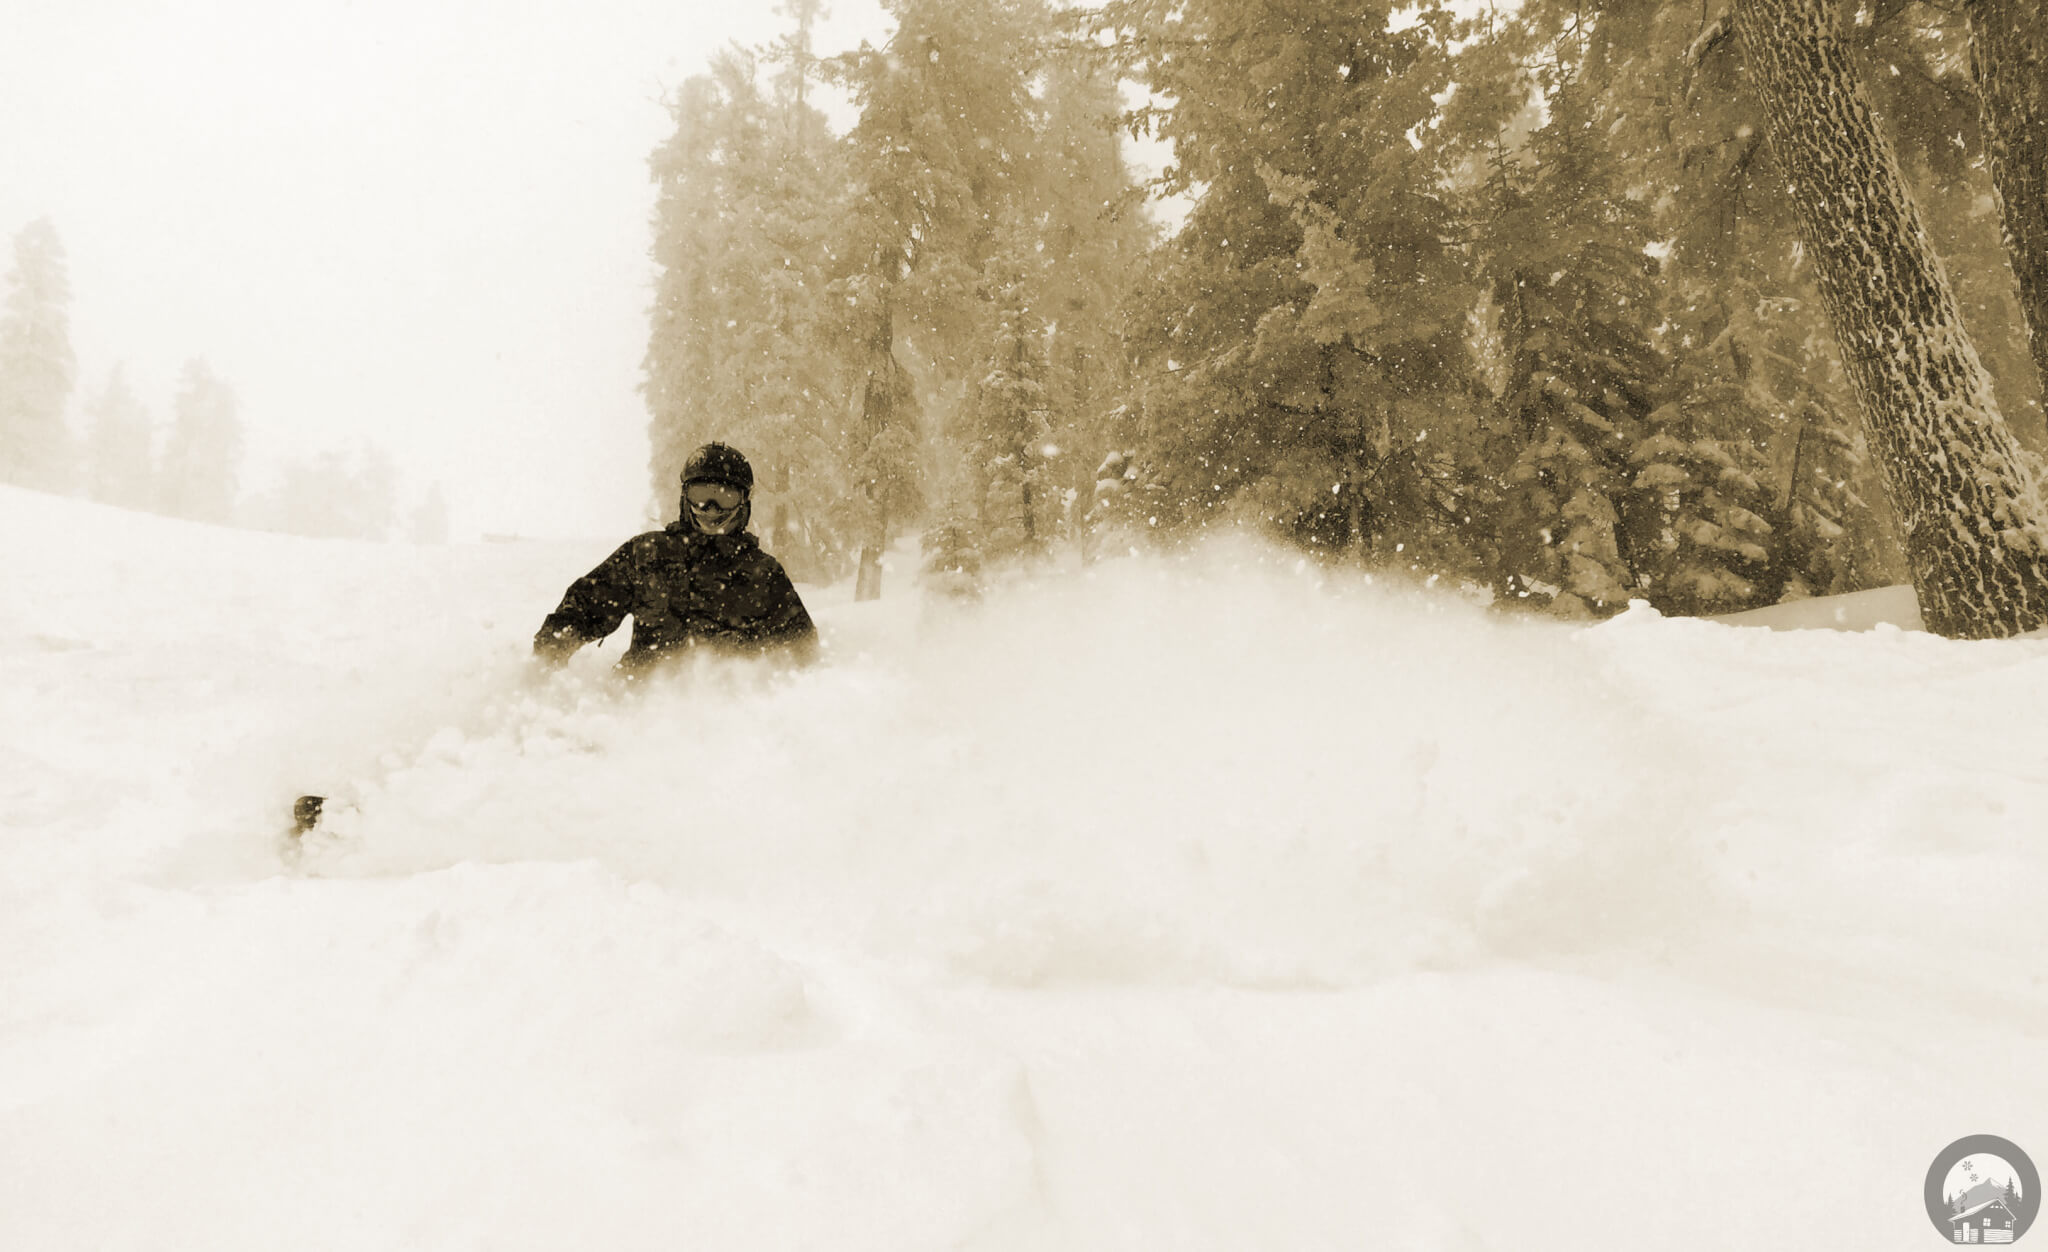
{"x": 1217, "y": 901}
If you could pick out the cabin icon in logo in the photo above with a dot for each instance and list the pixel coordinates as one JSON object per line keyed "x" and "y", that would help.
{"x": 1982, "y": 1189}
{"x": 1989, "y": 1222}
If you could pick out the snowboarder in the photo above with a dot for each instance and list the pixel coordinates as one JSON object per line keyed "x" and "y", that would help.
{"x": 701, "y": 582}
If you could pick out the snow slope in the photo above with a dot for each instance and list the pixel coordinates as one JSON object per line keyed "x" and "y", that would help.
{"x": 1201, "y": 902}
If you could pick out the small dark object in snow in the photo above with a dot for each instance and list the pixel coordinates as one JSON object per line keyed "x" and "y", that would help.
{"x": 306, "y": 813}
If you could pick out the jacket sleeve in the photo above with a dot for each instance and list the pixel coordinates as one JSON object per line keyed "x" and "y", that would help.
{"x": 788, "y": 623}
{"x": 592, "y": 608}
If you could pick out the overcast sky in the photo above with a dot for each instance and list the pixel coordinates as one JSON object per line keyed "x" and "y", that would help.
{"x": 420, "y": 221}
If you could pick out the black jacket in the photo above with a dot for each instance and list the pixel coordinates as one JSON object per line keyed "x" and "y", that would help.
{"x": 684, "y": 589}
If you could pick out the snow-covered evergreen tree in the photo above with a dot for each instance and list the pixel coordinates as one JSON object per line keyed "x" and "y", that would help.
{"x": 119, "y": 446}
{"x": 743, "y": 345}
{"x": 952, "y": 555}
{"x": 1089, "y": 236}
{"x": 1301, "y": 339}
{"x": 338, "y": 493}
{"x": 945, "y": 123}
{"x": 1699, "y": 532}
{"x": 1754, "y": 368}
{"x": 200, "y": 475}
{"x": 1008, "y": 425}
{"x": 1581, "y": 515}
{"x": 37, "y": 368}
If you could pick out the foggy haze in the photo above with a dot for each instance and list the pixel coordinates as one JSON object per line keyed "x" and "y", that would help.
{"x": 424, "y": 225}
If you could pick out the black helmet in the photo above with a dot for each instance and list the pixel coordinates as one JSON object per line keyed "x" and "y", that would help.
{"x": 718, "y": 463}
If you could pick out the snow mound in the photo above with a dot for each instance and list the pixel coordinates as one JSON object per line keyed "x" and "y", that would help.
{"x": 1858, "y": 610}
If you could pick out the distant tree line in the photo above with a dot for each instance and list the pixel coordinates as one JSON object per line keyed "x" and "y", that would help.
{"x": 194, "y": 470}
{"x": 1564, "y": 303}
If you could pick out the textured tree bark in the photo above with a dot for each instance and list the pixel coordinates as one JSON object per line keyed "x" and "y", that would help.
{"x": 2009, "y": 52}
{"x": 1972, "y": 519}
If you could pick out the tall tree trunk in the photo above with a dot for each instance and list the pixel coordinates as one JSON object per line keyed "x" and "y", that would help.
{"x": 2009, "y": 51}
{"x": 877, "y": 412}
{"x": 878, "y": 399}
{"x": 867, "y": 578}
{"x": 1971, "y": 517}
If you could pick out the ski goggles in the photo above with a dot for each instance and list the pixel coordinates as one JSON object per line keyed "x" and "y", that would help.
{"x": 713, "y": 497}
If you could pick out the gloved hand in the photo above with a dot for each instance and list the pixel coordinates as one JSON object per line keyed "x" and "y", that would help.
{"x": 552, "y": 651}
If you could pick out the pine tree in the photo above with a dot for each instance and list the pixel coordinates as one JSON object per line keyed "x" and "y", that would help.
{"x": 796, "y": 52}
{"x": 1751, "y": 343}
{"x": 200, "y": 474}
{"x": 1752, "y": 369}
{"x": 798, "y": 394}
{"x": 1047, "y": 379}
{"x": 1699, "y": 510}
{"x": 1008, "y": 422}
{"x": 340, "y": 493}
{"x": 742, "y": 347}
{"x": 1301, "y": 339}
{"x": 885, "y": 463}
{"x": 952, "y": 555}
{"x": 1829, "y": 538}
{"x": 37, "y": 368}
{"x": 118, "y": 446}
{"x": 1120, "y": 507}
{"x": 689, "y": 220}
{"x": 1972, "y": 518}
{"x": 945, "y": 121}
{"x": 1587, "y": 504}
{"x": 1088, "y": 236}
